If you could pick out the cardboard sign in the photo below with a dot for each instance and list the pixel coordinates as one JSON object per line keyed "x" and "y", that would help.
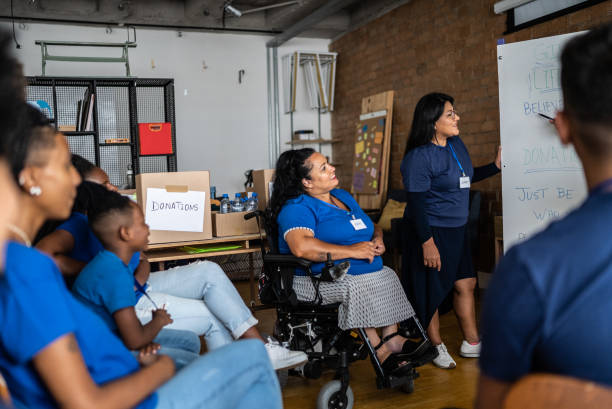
{"x": 175, "y": 211}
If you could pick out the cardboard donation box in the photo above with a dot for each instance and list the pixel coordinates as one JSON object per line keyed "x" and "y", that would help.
{"x": 233, "y": 224}
{"x": 262, "y": 185}
{"x": 176, "y": 205}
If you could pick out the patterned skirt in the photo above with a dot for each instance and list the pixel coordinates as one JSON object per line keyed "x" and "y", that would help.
{"x": 374, "y": 299}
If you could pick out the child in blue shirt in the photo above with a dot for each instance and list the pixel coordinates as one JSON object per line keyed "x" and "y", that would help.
{"x": 107, "y": 284}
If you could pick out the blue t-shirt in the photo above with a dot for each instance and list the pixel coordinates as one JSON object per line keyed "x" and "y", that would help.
{"x": 330, "y": 224}
{"x": 86, "y": 244}
{"x": 433, "y": 169}
{"x": 106, "y": 285}
{"x": 548, "y": 306}
{"x": 35, "y": 310}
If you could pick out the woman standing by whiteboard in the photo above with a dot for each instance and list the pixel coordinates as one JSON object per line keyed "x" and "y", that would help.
{"x": 437, "y": 173}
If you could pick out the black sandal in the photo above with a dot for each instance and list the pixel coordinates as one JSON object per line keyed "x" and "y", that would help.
{"x": 419, "y": 353}
{"x": 394, "y": 364}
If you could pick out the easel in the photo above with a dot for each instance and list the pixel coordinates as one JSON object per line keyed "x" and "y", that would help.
{"x": 369, "y": 105}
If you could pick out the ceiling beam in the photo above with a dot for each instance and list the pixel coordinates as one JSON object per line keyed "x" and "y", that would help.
{"x": 286, "y": 16}
{"x": 366, "y": 12}
{"x": 330, "y": 7}
{"x": 197, "y": 9}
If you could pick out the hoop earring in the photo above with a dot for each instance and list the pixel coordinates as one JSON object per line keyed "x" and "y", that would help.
{"x": 35, "y": 191}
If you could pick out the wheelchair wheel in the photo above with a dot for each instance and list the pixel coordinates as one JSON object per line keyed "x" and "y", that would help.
{"x": 408, "y": 387}
{"x": 330, "y": 397}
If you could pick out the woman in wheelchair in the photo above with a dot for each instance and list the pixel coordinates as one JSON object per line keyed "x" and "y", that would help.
{"x": 315, "y": 219}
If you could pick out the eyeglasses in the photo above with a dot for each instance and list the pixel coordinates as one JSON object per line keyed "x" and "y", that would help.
{"x": 452, "y": 114}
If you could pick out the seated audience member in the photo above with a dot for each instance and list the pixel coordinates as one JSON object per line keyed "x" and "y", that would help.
{"x": 91, "y": 173}
{"x": 548, "y": 305}
{"x": 11, "y": 96}
{"x": 54, "y": 352}
{"x": 107, "y": 284}
{"x": 199, "y": 296}
{"x": 315, "y": 218}
{"x": 72, "y": 243}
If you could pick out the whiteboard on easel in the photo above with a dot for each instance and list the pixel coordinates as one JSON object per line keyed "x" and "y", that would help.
{"x": 542, "y": 180}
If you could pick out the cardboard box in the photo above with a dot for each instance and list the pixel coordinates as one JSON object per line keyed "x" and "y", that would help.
{"x": 262, "y": 185}
{"x": 177, "y": 182}
{"x": 233, "y": 224}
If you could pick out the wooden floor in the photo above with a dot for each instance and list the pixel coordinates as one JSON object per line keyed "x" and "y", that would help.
{"x": 434, "y": 389}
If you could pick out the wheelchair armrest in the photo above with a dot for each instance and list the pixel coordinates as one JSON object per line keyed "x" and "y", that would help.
{"x": 287, "y": 260}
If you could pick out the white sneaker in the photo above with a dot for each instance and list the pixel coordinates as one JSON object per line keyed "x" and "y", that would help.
{"x": 283, "y": 358}
{"x": 444, "y": 360}
{"x": 468, "y": 350}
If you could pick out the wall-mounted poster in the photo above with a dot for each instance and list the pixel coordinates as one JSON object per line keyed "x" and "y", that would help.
{"x": 367, "y": 156}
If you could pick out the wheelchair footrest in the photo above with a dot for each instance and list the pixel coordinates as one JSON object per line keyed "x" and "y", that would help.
{"x": 391, "y": 381}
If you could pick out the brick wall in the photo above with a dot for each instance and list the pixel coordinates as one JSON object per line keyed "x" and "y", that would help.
{"x": 435, "y": 45}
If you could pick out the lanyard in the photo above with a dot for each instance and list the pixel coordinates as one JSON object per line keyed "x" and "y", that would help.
{"x": 455, "y": 156}
{"x": 603, "y": 187}
{"x": 141, "y": 289}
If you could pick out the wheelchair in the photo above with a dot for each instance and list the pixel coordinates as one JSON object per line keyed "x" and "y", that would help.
{"x": 312, "y": 327}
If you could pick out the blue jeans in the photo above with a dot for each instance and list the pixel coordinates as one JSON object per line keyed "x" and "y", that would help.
{"x": 182, "y": 346}
{"x": 200, "y": 298}
{"x": 238, "y": 375}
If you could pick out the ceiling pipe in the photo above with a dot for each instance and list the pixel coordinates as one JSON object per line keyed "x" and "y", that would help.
{"x": 307, "y": 22}
{"x": 271, "y": 6}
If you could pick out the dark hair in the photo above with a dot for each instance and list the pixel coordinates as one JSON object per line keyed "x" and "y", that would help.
{"x": 88, "y": 194}
{"x": 104, "y": 210}
{"x": 33, "y": 133}
{"x": 82, "y": 165}
{"x": 291, "y": 168}
{"x": 427, "y": 111}
{"x": 11, "y": 92}
{"x": 586, "y": 81}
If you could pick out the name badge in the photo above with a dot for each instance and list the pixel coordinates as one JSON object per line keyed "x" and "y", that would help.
{"x": 358, "y": 224}
{"x": 464, "y": 182}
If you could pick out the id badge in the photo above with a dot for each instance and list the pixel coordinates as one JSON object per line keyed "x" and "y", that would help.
{"x": 464, "y": 182}
{"x": 358, "y": 224}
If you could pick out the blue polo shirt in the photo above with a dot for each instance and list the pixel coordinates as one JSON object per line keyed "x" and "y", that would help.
{"x": 548, "y": 306}
{"x": 330, "y": 224}
{"x": 106, "y": 285}
{"x": 433, "y": 169}
{"x": 35, "y": 310}
{"x": 86, "y": 244}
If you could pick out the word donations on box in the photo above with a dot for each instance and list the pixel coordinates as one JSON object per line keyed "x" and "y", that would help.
{"x": 175, "y": 211}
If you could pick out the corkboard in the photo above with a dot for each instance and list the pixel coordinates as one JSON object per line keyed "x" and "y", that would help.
{"x": 371, "y": 105}
{"x": 368, "y": 152}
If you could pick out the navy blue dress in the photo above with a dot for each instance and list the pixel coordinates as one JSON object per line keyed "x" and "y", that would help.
{"x": 433, "y": 172}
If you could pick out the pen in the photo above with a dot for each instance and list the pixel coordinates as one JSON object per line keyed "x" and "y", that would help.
{"x": 546, "y": 116}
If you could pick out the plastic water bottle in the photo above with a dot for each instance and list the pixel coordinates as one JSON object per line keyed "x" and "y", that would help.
{"x": 129, "y": 175}
{"x": 252, "y": 203}
{"x": 225, "y": 204}
{"x": 237, "y": 204}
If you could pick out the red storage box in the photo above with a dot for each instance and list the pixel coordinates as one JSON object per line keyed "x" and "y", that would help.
{"x": 155, "y": 138}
